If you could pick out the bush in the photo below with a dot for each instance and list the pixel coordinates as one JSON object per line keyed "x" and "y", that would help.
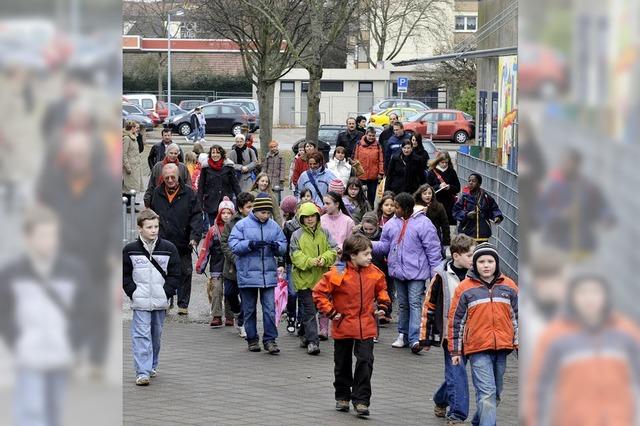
{"x": 466, "y": 101}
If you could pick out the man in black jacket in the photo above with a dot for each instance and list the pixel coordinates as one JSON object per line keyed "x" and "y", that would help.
{"x": 180, "y": 222}
{"x": 158, "y": 150}
{"x": 388, "y": 131}
{"x": 349, "y": 139}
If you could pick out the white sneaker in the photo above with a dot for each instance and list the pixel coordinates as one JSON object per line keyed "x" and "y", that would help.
{"x": 142, "y": 381}
{"x": 154, "y": 373}
{"x": 399, "y": 343}
{"x": 242, "y": 333}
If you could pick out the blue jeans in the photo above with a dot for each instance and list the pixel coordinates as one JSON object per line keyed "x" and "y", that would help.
{"x": 39, "y": 396}
{"x": 487, "y": 372}
{"x": 454, "y": 391}
{"x": 268, "y": 302}
{"x": 146, "y": 332}
{"x": 410, "y": 295}
{"x": 200, "y": 132}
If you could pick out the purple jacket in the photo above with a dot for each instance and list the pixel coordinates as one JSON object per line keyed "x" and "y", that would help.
{"x": 417, "y": 254}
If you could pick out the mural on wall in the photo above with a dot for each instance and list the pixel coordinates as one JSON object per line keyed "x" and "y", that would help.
{"x": 507, "y": 107}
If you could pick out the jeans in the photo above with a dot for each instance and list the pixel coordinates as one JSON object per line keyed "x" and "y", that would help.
{"x": 487, "y": 373}
{"x": 454, "y": 392}
{"x": 410, "y": 295}
{"x": 232, "y": 298}
{"x": 372, "y": 187}
{"x": 353, "y": 386}
{"x": 308, "y": 326}
{"x": 200, "y": 132}
{"x": 268, "y": 302}
{"x": 146, "y": 332}
{"x": 39, "y": 396}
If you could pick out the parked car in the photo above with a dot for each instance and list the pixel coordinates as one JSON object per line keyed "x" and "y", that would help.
{"x": 135, "y": 109}
{"x": 190, "y": 104}
{"x": 142, "y": 120}
{"x": 382, "y": 118}
{"x": 453, "y": 125}
{"x": 221, "y": 118}
{"x": 176, "y": 110}
{"x": 398, "y": 103}
{"x": 250, "y": 105}
{"x": 149, "y": 102}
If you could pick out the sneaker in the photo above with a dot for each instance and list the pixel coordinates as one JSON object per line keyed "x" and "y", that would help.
{"x": 399, "y": 343}
{"x": 416, "y": 348}
{"x": 323, "y": 337}
{"x": 375, "y": 339}
{"x": 183, "y": 311}
{"x": 440, "y": 410}
{"x": 272, "y": 348}
{"x": 291, "y": 325}
{"x": 242, "y": 333}
{"x": 313, "y": 349}
{"x": 361, "y": 409}
{"x": 451, "y": 421}
{"x": 142, "y": 381}
{"x": 254, "y": 346}
{"x": 154, "y": 373}
{"x": 342, "y": 406}
{"x": 303, "y": 342}
{"x": 229, "y": 322}
{"x": 216, "y": 322}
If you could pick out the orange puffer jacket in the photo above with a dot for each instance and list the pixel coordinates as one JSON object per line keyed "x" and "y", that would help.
{"x": 352, "y": 292}
{"x": 371, "y": 159}
{"x": 483, "y": 318}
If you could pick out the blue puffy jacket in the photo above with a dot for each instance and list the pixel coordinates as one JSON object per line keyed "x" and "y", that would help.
{"x": 257, "y": 267}
{"x": 322, "y": 177}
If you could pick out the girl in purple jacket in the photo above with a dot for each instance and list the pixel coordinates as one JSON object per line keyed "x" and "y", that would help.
{"x": 411, "y": 244}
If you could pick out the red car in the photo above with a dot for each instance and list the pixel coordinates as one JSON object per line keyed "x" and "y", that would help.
{"x": 451, "y": 124}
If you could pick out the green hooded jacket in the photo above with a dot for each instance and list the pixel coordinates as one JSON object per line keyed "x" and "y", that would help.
{"x": 307, "y": 245}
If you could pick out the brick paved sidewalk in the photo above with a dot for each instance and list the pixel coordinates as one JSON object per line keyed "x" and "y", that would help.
{"x": 208, "y": 377}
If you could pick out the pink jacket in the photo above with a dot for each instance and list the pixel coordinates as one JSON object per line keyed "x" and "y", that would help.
{"x": 339, "y": 226}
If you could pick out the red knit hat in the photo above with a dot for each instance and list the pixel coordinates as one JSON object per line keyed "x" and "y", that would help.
{"x": 336, "y": 186}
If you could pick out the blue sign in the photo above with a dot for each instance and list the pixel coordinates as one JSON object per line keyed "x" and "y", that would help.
{"x": 403, "y": 84}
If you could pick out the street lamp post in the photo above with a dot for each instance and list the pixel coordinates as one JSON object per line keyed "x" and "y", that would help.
{"x": 178, "y": 12}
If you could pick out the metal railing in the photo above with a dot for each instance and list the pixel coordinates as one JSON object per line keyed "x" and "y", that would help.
{"x": 129, "y": 227}
{"x": 502, "y": 185}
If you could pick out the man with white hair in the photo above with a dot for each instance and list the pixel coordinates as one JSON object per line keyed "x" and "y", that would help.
{"x": 245, "y": 161}
{"x": 172, "y": 157}
{"x": 180, "y": 222}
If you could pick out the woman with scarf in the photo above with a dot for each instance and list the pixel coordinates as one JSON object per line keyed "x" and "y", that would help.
{"x": 217, "y": 180}
{"x": 171, "y": 156}
{"x": 444, "y": 180}
{"x": 404, "y": 174}
{"x": 245, "y": 161}
{"x": 316, "y": 179}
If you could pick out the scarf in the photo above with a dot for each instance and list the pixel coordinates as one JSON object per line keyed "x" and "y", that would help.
{"x": 442, "y": 169}
{"x": 239, "y": 152}
{"x": 215, "y": 165}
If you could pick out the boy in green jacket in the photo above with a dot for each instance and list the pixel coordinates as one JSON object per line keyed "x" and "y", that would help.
{"x": 312, "y": 252}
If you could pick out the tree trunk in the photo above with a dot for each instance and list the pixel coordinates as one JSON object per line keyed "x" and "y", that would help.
{"x": 160, "y": 74}
{"x": 265, "y": 100}
{"x": 313, "y": 101}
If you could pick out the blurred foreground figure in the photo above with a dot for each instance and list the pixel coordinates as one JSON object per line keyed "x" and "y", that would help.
{"x": 586, "y": 369}
{"x": 41, "y": 295}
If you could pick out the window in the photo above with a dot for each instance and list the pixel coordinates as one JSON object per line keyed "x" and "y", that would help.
{"x": 365, "y": 86}
{"x": 385, "y": 104}
{"x": 287, "y": 86}
{"x": 225, "y": 109}
{"x": 447, "y": 116}
{"x": 332, "y": 86}
{"x": 430, "y": 117}
{"x": 210, "y": 110}
{"x": 131, "y": 109}
{"x": 304, "y": 86}
{"x": 417, "y": 105}
{"x": 466, "y": 23}
{"x": 467, "y": 116}
{"x": 147, "y": 104}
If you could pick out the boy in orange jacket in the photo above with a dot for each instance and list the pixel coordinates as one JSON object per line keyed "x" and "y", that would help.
{"x": 354, "y": 324}
{"x": 483, "y": 326}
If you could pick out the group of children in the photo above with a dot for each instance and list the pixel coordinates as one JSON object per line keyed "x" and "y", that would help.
{"x": 344, "y": 265}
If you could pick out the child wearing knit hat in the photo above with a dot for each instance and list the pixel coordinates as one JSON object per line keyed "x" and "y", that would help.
{"x": 337, "y": 186}
{"x": 483, "y": 327}
{"x": 211, "y": 253}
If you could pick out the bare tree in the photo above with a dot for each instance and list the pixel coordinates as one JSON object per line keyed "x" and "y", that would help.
{"x": 325, "y": 21}
{"x": 265, "y": 57}
{"x": 387, "y": 25}
{"x": 151, "y": 19}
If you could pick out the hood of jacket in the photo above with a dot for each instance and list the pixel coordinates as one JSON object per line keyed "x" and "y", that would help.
{"x": 307, "y": 209}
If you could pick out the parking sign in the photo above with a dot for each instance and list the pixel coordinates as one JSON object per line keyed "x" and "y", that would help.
{"x": 403, "y": 84}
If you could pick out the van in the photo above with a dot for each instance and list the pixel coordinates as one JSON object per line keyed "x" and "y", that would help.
{"x": 150, "y": 103}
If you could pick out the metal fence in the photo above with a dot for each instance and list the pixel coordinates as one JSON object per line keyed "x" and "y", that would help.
{"x": 129, "y": 226}
{"x": 502, "y": 185}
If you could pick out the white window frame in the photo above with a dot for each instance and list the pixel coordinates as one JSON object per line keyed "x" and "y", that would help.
{"x": 465, "y": 16}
